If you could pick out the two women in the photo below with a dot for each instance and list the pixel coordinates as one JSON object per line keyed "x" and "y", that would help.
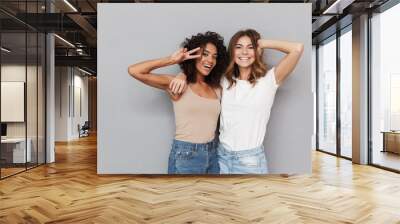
{"x": 203, "y": 60}
{"x": 248, "y": 92}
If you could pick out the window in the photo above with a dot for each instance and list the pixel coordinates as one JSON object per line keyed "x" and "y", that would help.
{"x": 385, "y": 89}
{"x": 346, "y": 93}
{"x": 327, "y": 96}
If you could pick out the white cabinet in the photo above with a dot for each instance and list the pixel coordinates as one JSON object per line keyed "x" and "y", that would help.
{"x": 18, "y": 149}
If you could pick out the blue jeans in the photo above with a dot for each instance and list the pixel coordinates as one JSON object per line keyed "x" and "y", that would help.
{"x": 192, "y": 158}
{"x": 251, "y": 161}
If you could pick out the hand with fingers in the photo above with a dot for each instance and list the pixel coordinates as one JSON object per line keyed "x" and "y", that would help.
{"x": 183, "y": 54}
{"x": 178, "y": 84}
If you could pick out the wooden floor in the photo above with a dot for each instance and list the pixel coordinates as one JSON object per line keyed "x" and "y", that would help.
{"x": 70, "y": 191}
{"x": 5, "y": 172}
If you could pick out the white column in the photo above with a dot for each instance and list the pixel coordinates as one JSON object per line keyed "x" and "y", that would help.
{"x": 50, "y": 92}
{"x": 360, "y": 90}
{"x": 50, "y": 110}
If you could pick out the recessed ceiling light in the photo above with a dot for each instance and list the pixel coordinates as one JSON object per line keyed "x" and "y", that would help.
{"x": 64, "y": 40}
{"x": 5, "y": 49}
{"x": 70, "y": 5}
{"x": 334, "y": 8}
{"x": 84, "y": 71}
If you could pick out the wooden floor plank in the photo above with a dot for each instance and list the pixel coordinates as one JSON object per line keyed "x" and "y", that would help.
{"x": 70, "y": 191}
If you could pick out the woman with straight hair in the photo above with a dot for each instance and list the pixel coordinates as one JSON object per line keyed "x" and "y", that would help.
{"x": 248, "y": 92}
{"x": 203, "y": 58}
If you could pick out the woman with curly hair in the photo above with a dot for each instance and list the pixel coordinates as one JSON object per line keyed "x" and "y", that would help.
{"x": 203, "y": 58}
{"x": 248, "y": 92}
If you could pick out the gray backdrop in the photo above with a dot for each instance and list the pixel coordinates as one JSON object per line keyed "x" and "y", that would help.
{"x": 136, "y": 122}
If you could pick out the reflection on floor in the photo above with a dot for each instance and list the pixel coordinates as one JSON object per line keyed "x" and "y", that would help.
{"x": 386, "y": 159}
{"x": 10, "y": 171}
{"x": 346, "y": 152}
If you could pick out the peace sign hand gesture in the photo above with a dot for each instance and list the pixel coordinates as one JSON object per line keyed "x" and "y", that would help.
{"x": 183, "y": 54}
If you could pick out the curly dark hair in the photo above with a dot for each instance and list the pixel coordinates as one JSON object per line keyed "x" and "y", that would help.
{"x": 201, "y": 40}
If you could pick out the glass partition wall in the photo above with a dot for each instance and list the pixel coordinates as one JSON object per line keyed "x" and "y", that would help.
{"x": 345, "y": 61}
{"x": 327, "y": 95}
{"x": 13, "y": 90}
{"x": 22, "y": 77}
{"x": 334, "y": 94}
{"x": 385, "y": 89}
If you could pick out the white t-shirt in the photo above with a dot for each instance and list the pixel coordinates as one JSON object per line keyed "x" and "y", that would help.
{"x": 245, "y": 112}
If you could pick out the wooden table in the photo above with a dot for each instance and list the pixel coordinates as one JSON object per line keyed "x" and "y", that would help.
{"x": 391, "y": 141}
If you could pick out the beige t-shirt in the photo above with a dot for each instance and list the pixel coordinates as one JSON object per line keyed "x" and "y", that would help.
{"x": 196, "y": 117}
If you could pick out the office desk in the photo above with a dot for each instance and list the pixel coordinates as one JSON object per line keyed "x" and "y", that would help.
{"x": 13, "y": 150}
{"x": 391, "y": 141}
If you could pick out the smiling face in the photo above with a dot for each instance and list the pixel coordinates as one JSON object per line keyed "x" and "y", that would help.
{"x": 208, "y": 59}
{"x": 244, "y": 52}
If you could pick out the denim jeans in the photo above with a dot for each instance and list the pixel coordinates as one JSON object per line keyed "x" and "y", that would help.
{"x": 192, "y": 158}
{"x": 251, "y": 161}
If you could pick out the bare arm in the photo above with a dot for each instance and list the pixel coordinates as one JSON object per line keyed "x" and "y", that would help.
{"x": 142, "y": 71}
{"x": 293, "y": 52}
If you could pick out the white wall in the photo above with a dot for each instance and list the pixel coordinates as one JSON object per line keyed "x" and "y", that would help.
{"x": 16, "y": 72}
{"x": 67, "y": 116}
{"x": 79, "y": 117}
{"x": 62, "y": 80}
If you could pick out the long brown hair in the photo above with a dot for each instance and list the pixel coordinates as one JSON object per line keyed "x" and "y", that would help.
{"x": 258, "y": 68}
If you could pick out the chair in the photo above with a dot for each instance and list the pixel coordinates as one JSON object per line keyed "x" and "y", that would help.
{"x": 84, "y": 130}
